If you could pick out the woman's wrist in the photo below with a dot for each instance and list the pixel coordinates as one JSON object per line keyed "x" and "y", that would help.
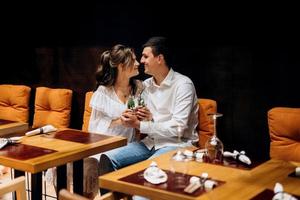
{"x": 115, "y": 122}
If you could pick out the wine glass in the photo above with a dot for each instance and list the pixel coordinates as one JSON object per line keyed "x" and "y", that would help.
{"x": 180, "y": 131}
{"x": 214, "y": 146}
{"x": 178, "y": 161}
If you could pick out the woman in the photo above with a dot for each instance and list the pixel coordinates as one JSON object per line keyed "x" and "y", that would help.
{"x": 111, "y": 100}
{"x": 115, "y": 86}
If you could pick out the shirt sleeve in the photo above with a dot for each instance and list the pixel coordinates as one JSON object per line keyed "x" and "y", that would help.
{"x": 99, "y": 122}
{"x": 184, "y": 103}
{"x": 100, "y": 119}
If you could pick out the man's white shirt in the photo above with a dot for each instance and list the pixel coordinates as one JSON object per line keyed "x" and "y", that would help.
{"x": 173, "y": 103}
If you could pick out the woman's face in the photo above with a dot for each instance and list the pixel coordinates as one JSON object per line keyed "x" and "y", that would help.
{"x": 133, "y": 68}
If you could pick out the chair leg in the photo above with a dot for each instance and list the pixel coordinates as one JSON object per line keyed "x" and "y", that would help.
{"x": 28, "y": 185}
{"x": 44, "y": 182}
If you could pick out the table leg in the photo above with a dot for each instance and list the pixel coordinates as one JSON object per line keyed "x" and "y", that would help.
{"x": 17, "y": 174}
{"x": 78, "y": 177}
{"x": 36, "y": 186}
{"x": 61, "y": 178}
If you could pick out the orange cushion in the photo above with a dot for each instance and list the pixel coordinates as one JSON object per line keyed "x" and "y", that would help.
{"x": 284, "y": 129}
{"x": 205, "y": 126}
{"x": 87, "y": 111}
{"x": 52, "y": 106}
{"x": 14, "y": 102}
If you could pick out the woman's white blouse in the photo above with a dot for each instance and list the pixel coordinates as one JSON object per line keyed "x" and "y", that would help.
{"x": 106, "y": 106}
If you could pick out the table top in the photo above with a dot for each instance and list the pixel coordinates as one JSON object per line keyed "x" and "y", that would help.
{"x": 56, "y": 149}
{"x": 8, "y": 127}
{"x": 239, "y": 183}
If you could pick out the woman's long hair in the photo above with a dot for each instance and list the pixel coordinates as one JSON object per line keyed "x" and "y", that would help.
{"x": 107, "y": 71}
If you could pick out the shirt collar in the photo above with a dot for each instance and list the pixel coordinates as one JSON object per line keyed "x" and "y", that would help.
{"x": 167, "y": 81}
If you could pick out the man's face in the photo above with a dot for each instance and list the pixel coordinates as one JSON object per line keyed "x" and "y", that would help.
{"x": 149, "y": 60}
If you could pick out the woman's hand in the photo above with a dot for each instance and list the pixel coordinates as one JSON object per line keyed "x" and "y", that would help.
{"x": 130, "y": 119}
{"x": 143, "y": 113}
{"x": 116, "y": 122}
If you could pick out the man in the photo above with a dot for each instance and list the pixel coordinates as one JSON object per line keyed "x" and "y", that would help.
{"x": 172, "y": 101}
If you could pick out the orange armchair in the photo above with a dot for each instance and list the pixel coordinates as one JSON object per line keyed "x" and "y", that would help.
{"x": 87, "y": 111}
{"x": 52, "y": 106}
{"x": 14, "y": 102}
{"x": 284, "y": 130}
{"x": 205, "y": 125}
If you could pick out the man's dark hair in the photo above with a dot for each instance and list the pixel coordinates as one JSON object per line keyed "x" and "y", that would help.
{"x": 160, "y": 45}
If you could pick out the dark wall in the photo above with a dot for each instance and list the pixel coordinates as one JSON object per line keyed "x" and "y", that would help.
{"x": 248, "y": 61}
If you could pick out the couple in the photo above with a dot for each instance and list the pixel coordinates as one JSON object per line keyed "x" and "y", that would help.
{"x": 170, "y": 100}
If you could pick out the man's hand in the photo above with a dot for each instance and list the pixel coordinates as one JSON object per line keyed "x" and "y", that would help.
{"x": 143, "y": 113}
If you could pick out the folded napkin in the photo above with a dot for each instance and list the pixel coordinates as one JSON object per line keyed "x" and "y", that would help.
{"x": 297, "y": 171}
{"x": 199, "y": 155}
{"x": 280, "y": 194}
{"x": 11, "y": 140}
{"x": 189, "y": 154}
{"x": 155, "y": 175}
{"x": 241, "y": 156}
{"x": 197, "y": 182}
{"x": 44, "y": 129}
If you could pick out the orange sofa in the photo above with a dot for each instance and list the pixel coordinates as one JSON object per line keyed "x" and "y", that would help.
{"x": 284, "y": 130}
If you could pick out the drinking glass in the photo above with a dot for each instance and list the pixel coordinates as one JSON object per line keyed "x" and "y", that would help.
{"x": 214, "y": 146}
{"x": 179, "y": 162}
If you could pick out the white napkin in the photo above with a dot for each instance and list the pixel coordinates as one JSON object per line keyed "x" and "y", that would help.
{"x": 238, "y": 155}
{"x": 155, "y": 175}
{"x": 297, "y": 171}
{"x": 44, "y": 129}
{"x": 196, "y": 182}
{"x": 210, "y": 184}
{"x": 11, "y": 140}
{"x": 199, "y": 154}
{"x": 194, "y": 185}
{"x": 280, "y": 195}
{"x": 188, "y": 153}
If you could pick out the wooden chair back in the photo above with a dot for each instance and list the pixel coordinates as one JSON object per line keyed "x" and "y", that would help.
{"x": 15, "y": 185}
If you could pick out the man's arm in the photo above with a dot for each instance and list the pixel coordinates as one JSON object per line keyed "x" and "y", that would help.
{"x": 184, "y": 103}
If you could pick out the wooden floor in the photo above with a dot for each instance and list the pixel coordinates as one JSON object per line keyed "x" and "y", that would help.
{"x": 49, "y": 189}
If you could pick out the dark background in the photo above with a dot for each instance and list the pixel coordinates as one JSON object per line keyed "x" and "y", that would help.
{"x": 246, "y": 57}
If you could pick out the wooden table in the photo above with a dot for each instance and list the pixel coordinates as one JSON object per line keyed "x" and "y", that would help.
{"x": 239, "y": 183}
{"x": 38, "y": 153}
{"x": 8, "y": 127}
